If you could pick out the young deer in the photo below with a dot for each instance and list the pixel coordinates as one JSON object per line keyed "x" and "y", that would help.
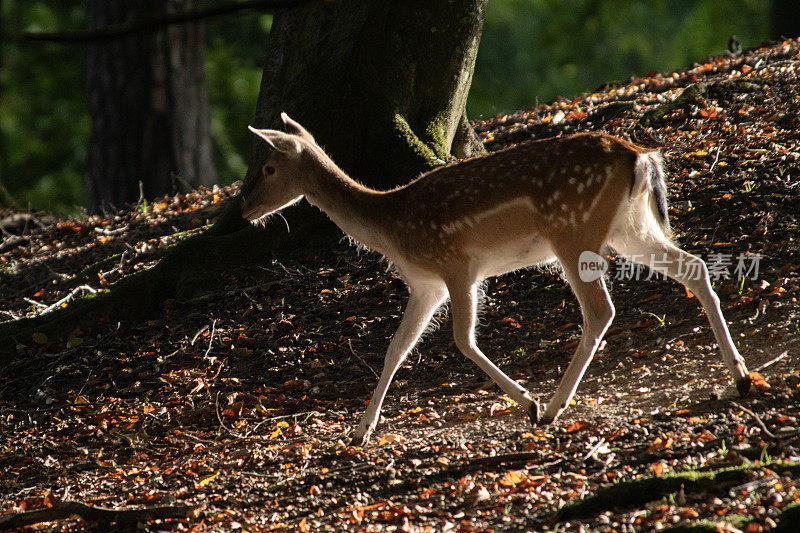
{"x": 525, "y": 205}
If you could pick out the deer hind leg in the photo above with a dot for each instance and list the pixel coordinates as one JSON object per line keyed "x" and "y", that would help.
{"x": 463, "y": 305}
{"x": 598, "y": 313}
{"x": 422, "y": 304}
{"x": 667, "y": 259}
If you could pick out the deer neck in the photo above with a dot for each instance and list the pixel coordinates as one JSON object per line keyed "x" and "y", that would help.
{"x": 358, "y": 210}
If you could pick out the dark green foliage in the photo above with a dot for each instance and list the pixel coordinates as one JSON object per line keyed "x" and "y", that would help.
{"x": 536, "y": 49}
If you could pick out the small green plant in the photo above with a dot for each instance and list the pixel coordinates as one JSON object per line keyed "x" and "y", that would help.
{"x": 723, "y": 449}
{"x": 662, "y": 320}
{"x": 741, "y": 285}
{"x": 519, "y": 352}
{"x": 674, "y": 404}
{"x": 143, "y": 206}
{"x": 748, "y": 186}
{"x": 765, "y": 457}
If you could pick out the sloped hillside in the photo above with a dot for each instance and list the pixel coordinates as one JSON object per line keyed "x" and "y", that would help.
{"x": 233, "y": 409}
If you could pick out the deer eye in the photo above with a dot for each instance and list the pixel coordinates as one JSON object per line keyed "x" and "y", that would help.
{"x": 268, "y": 170}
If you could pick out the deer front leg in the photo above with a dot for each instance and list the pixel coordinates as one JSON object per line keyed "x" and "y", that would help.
{"x": 598, "y": 312}
{"x": 422, "y": 305}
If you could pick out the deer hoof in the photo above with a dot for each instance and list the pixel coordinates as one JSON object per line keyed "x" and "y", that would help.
{"x": 743, "y": 385}
{"x": 360, "y": 441}
{"x": 534, "y": 413}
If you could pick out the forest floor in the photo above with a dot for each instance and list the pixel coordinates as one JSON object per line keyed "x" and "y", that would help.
{"x": 239, "y": 403}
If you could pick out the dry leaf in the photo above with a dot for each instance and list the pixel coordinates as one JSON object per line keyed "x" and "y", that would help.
{"x": 758, "y": 381}
{"x": 513, "y": 478}
{"x": 391, "y": 438}
{"x": 580, "y": 425}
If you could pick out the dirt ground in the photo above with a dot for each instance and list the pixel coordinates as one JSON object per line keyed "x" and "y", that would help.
{"x": 239, "y": 402}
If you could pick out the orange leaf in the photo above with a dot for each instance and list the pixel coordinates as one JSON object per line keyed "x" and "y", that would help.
{"x": 659, "y": 444}
{"x": 580, "y": 425}
{"x": 513, "y": 478}
{"x": 390, "y": 438}
{"x": 657, "y": 468}
{"x": 758, "y": 381}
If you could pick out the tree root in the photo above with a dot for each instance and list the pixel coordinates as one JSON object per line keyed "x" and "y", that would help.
{"x": 638, "y": 492}
{"x": 64, "y": 510}
{"x": 186, "y": 269}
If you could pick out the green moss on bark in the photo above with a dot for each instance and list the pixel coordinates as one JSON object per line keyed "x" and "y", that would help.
{"x": 637, "y": 492}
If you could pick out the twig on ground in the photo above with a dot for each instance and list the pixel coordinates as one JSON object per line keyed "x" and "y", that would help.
{"x": 210, "y": 337}
{"x": 64, "y": 510}
{"x": 34, "y": 302}
{"x": 594, "y": 449}
{"x": 764, "y": 429}
{"x": 771, "y": 361}
{"x": 350, "y": 345}
{"x": 65, "y": 299}
{"x": 711, "y": 168}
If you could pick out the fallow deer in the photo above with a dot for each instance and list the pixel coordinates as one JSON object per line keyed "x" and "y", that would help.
{"x": 525, "y": 205}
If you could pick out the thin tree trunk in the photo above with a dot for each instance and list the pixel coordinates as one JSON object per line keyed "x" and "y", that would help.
{"x": 149, "y": 107}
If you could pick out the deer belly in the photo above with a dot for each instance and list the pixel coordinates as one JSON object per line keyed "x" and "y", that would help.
{"x": 528, "y": 251}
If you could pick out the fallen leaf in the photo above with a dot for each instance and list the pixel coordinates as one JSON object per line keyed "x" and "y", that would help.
{"x": 758, "y": 381}
{"x": 390, "y": 438}
{"x": 580, "y": 425}
{"x": 208, "y": 479}
{"x": 513, "y": 478}
{"x": 659, "y": 444}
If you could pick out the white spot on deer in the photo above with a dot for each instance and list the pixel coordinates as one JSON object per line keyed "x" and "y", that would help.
{"x": 433, "y": 224}
{"x": 581, "y": 185}
{"x": 585, "y": 217}
{"x": 572, "y": 181}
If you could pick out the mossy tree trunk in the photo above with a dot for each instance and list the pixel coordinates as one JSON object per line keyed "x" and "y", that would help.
{"x": 382, "y": 86}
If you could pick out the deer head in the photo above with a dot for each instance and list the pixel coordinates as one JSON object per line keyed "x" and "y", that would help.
{"x": 281, "y": 181}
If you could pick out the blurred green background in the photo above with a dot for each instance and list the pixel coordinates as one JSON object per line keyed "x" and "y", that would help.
{"x": 531, "y": 51}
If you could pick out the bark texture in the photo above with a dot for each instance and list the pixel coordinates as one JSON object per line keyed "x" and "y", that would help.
{"x": 382, "y": 85}
{"x": 149, "y": 107}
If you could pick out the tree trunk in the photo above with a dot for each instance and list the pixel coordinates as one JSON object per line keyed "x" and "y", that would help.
{"x": 149, "y": 107}
{"x": 382, "y": 85}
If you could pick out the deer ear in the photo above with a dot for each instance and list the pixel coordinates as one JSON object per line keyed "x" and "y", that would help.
{"x": 278, "y": 140}
{"x": 294, "y": 127}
